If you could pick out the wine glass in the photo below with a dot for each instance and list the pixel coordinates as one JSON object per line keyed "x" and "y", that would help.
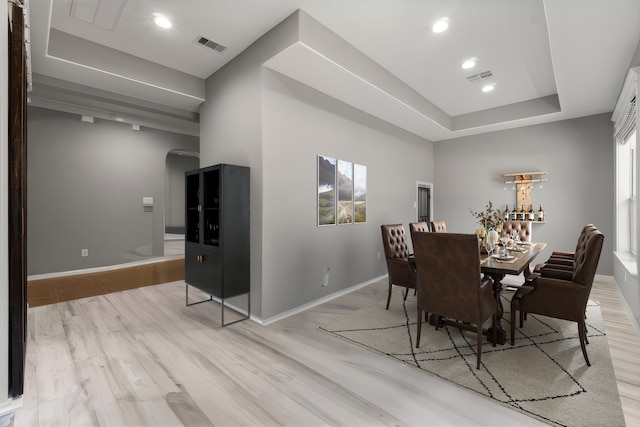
{"x": 491, "y": 241}
{"x": 516, "y": 237}
{"x": 489, "y": 248}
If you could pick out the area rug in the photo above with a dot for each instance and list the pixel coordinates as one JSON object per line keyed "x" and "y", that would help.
{"x": 543, "y": 375}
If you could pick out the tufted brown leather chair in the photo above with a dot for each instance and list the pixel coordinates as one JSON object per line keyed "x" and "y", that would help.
{"x": 564, "y": 259}
{"x": 438, "y": 226}
{"x": 396, "y": 251}
{"x": 449, "y": 283}
{"x": 418, "y": 226}
{"x": 522, "y": 227}
{"x": 563, "y": 294}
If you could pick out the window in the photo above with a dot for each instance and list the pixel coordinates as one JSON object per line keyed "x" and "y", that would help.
{"x": 626, "y": 194}
{"x": 625, "y": 135}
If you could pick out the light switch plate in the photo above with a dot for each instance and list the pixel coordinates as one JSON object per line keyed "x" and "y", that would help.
{"x": 147, "y": 201}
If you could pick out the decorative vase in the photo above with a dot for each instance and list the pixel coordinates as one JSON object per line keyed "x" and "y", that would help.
{"x": 492, "y": 238}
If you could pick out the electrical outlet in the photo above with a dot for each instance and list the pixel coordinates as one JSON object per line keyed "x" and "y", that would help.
{"x": 85, "y": 252}
{"x": 325, "y": 278}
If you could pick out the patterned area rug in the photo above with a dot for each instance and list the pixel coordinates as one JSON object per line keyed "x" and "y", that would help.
{"x": 543, "y": 375}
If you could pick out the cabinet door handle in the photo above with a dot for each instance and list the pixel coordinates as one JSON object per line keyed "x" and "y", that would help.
{"x": 200, "y": 258}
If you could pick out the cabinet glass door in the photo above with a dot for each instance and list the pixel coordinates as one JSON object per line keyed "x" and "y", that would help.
{"x": 193, "y": 202}
{"x": 211, "y": 211}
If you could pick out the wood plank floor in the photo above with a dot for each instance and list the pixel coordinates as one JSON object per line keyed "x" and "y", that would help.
{"x": 140, "y": 357}
{"x": 624, "y": 345}
{"x": 75, "y": 286}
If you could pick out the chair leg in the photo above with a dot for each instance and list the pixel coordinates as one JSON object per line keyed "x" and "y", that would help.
{"x": 389, "y": 296}
{"x": 406, "y": 292}
{"x": 582, "y": 328}
{"x": 523, "y": 317}
{"x": 513, "y": 324}
{"x": 495, "y": 328}
{"x": 586, "y": 331}
{"x": 419, "y": 327}
{"x": 479, "y": 339}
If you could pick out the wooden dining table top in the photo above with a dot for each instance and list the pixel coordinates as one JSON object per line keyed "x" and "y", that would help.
{"x": 518, "y": 265}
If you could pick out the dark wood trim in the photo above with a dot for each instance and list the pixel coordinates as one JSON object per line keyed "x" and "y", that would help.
{"x": 66, "y": 288}
{"x": 17, "y": 201}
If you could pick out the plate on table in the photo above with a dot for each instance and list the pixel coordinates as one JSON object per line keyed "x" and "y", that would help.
{"x": 503, "y": 257}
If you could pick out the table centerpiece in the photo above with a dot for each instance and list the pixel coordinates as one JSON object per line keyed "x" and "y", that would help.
{"x": 491, "y": 221}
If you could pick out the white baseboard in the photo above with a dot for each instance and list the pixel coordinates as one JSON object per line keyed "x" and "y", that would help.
{"x": 101, "y": 269}
{"x": 8, "y": 410}
{"x": 315, "y": 303}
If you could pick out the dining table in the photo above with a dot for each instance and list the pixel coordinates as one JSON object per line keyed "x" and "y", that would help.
{"x": 507, "y": 261}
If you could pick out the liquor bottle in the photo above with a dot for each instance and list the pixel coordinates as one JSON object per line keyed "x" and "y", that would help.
{"x": 514, "y": 213}
{"x": 540, "y": 213}
{"x": 521, "y": 213}
{"x": 506, "y": 212}
{"x": 532, "y": 215}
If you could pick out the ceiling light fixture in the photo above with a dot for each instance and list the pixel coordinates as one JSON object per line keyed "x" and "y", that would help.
{"x": 488, "y": 88}
{"x": 441, "y": 25}
{"x": 469, "y": 63}
{"x": 161, "y": 20}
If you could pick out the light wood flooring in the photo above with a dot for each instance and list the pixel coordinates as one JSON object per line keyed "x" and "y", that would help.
{"x": 140, "y": 357}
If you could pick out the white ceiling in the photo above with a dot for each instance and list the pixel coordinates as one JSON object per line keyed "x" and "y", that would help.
{"x": 571, "y": 56}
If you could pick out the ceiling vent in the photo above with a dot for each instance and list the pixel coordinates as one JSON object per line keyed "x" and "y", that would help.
{"x": 210, "y": 44}
{"x": 480, "y": 76}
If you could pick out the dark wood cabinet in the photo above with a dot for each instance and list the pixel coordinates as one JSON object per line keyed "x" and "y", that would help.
{"x": 217, "y": 231}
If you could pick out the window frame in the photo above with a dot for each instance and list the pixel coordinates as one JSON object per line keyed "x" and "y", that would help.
{"x": 625, "y": 119}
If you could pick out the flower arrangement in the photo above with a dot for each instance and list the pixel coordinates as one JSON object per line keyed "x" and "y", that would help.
{"x": 489, "y": 218}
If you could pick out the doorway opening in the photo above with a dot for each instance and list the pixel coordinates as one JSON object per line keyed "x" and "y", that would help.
{"x": 424, "y": 204}
{"x": 176, "y": 164}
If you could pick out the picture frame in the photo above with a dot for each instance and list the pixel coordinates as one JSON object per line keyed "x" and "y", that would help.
{"x": 326, "y": 190}
{"x": 359, "y": 193}
{"x": 345, "y": 192}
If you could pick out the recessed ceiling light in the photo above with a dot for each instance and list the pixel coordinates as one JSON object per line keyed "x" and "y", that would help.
{"x": 469, "y": 63}
{"x": 441, "y": 25}
{"x": 488, "y": 88}
{"x": 161, "y": 20}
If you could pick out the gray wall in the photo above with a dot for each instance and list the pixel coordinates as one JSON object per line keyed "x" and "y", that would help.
{"x": 176, "y": 166}
{"x": 578, "y": 156}
{"x": 627, "y": 281}
{"x": 256, "y": 118}
{"x": 86, "y": 183}
{"x": 299, "y": 124}
{"x": 230, "y": 128}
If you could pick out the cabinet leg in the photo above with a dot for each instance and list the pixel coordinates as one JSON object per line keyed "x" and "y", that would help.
{"x": 241, "y": 319}
{"x": 222, "y": 304}
{"x": 194, "y": 303}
